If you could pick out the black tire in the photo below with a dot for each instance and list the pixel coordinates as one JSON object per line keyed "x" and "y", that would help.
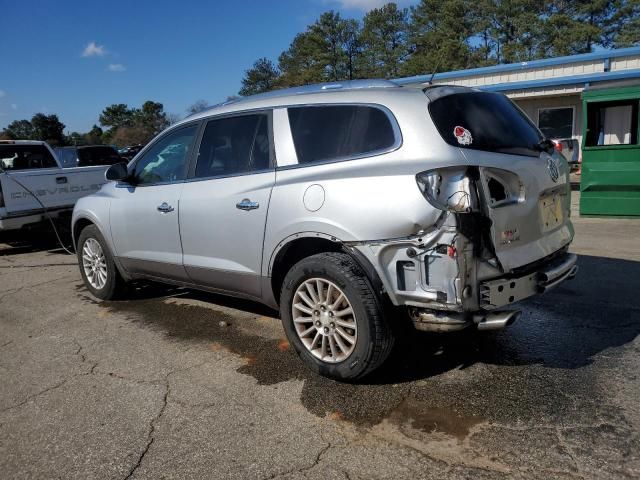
{"x": 374, "y": 337}
{"x": 114, "y": 286}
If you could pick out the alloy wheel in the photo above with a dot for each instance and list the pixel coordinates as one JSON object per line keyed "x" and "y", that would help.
{"x": 324, "y": 320}
{"x": 94, "y": 263}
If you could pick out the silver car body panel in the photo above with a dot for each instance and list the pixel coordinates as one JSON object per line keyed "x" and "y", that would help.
{"x": 369, "y": 204}
{"x": 222, "y": 244}
{"x": 147, "y": 240}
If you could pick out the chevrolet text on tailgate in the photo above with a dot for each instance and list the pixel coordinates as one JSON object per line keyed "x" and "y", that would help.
{"x": 343, "y": 205}
{"x": 30, "y": 169}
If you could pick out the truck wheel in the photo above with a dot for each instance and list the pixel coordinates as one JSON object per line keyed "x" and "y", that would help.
{"x": 97, "y": 267}
{"x": 333, "y": 317}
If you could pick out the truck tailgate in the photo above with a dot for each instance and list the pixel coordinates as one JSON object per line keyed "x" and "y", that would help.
{"x": 54, "y": 187}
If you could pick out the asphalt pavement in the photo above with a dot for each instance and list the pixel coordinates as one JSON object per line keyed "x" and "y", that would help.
{"x": 180, "y": 384}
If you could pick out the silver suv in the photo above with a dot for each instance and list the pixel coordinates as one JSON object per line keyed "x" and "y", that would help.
{"x": 340, "y": 204}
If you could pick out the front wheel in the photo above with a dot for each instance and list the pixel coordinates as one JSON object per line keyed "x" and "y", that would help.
{"x": 97, "y": 267}
{"x": 333, "y": 317}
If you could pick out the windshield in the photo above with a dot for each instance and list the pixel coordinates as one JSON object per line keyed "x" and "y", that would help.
{"x": 485, "y": 121}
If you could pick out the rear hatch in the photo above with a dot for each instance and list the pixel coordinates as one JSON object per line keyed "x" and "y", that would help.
{"x": 524, "y": 184}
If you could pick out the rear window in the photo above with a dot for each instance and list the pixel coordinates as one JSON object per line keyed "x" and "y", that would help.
{"x": 23, "y": 157}
{"x": 485, "y": 121}
{"x": 326, "y": 133}
{"x": 68, "y": 156}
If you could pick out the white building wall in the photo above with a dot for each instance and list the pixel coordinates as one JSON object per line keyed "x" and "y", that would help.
{"x": 527, "y": 73}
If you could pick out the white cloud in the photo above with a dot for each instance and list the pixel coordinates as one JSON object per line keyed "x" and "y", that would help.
{"x": 116, "y": 67}
{"x": 94, "y": 50}
{"x": 14, "y": 106}
{"x": 2, "y": 93}
{"x": 366, "y": 5}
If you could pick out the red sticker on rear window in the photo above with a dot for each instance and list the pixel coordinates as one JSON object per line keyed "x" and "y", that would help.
{"x": 462, "y": 135}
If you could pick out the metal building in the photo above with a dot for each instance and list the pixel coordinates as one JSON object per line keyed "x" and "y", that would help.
{"x": 549, "y": 90}
{"x": 587, "y": 102}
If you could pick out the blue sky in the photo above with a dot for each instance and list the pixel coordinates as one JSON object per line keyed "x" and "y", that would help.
{"x": 73, "y": 58}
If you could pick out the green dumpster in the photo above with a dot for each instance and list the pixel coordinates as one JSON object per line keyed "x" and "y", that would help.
{"x": 610, "y": 183}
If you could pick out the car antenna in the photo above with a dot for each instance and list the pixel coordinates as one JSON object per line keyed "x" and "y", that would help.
{"x": 435, "y": 70}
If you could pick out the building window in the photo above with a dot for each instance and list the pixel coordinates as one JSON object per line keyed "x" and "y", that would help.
{"x": 612, "y": 123}
{"x": 556, "y": 122}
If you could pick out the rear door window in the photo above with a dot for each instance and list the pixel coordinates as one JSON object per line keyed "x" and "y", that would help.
{"x": 485, "y": 121}
{"x": 337, "y": 132}
{"x": 25, "y": 157}
{"x": 234, "y": 145}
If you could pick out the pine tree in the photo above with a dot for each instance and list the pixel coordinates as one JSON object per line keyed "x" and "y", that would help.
{"x": 384, "y": 41}
{"x": 440, "y": 31}
{"x": 262, "y": 77}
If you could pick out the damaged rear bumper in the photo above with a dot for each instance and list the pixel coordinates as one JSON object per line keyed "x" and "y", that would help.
{"x": 503, "y": 291}
{"x": 447, "y": 289}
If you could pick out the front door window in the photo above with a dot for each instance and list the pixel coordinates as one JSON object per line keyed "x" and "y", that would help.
{"x": 166, "y": 160}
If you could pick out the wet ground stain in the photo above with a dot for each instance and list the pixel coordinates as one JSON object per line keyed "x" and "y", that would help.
{"x": 434, "y": 420}
{"x": 534, "y": 371}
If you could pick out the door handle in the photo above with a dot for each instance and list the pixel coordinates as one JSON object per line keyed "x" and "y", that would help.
{"x": 61, "y": 180}
{"x": 247, "y": 204}
{"x": 165, "y": 208}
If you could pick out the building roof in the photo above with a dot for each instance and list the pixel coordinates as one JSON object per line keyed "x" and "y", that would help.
{"x": 583, "y": 69}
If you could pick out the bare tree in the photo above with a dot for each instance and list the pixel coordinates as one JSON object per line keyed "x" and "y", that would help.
{"x": 173, "y": 118}
{"x": 197, "y": 107}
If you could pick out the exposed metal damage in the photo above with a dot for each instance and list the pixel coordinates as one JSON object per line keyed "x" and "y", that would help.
{"x": 450, "y": 275}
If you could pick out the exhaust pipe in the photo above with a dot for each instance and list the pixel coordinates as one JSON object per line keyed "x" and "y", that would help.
{"x": 431, "y": 321}
{"x": 498, "y": 320}
{"x": 438, "y": 322}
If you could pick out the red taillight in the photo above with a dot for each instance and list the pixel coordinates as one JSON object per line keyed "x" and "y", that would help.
{"x": 558, "y": 146}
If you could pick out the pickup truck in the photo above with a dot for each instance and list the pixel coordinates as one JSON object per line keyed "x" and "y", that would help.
{"x": 35, "y": 165}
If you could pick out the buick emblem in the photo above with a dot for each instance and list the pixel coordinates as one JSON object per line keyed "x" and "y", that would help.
{"x": 552, "y": 166}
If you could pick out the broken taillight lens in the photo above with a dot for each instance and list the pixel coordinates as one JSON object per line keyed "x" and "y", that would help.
{"x": 449, "y": 189}
{"x": 557, "y": 145}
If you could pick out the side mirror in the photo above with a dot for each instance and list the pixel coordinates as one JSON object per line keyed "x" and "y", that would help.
{"x": 117, "y": 172}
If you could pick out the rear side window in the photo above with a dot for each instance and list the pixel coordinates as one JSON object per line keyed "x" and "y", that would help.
{"x": 24, "y": 157}
{"x": 325, "y": 133}
{"x": 485, "y": 121}
{"x": 234, "y": 145}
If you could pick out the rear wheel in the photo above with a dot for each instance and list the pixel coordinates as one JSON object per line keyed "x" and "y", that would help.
{"x": 333, "y": 317}
{"x": 97, "y": 267}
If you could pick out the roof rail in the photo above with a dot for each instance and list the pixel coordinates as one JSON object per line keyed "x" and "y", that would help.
{"x": 323, "y": 87}
{"x": 320, "y": 87}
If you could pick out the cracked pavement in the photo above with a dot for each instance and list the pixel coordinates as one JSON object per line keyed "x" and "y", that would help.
{"x": 179, "y": 384}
